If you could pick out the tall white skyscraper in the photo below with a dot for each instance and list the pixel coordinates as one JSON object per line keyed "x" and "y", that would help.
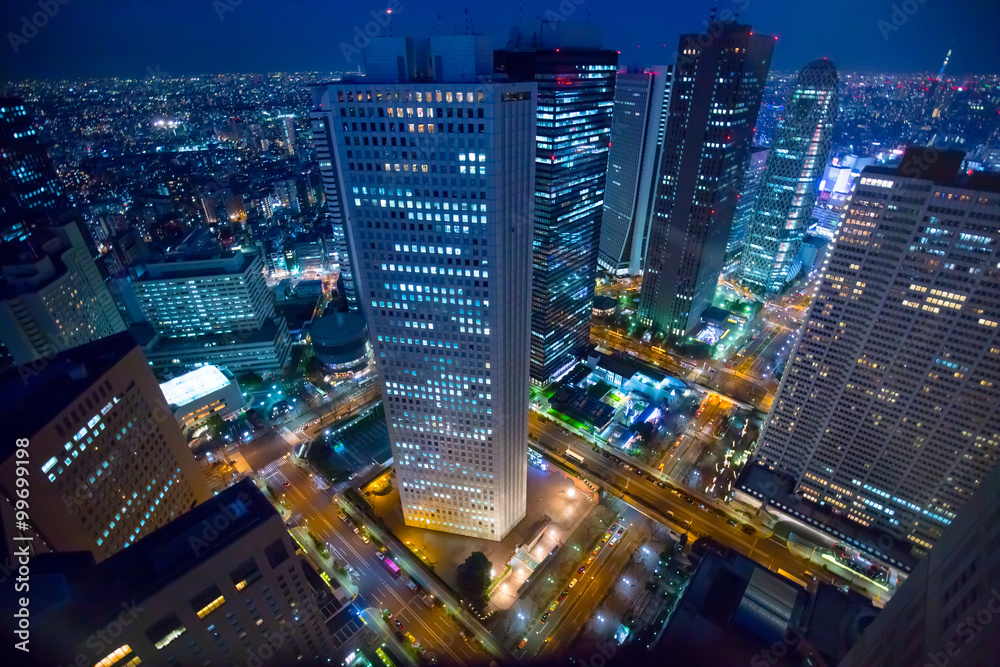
{"x": 888, "y": 410}
{"x": 436, "y": 160}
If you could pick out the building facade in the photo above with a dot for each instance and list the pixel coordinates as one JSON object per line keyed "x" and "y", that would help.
{"x": 576, "y": 88}
{"x": 937, "y": 615}
{"x": 887, "y": 411}
{"x": 109, "y": 464}
{"x": 636, "y": 140}
{"x": 53, "y": 297}
{"x": 220, "y": 585}
{"x": 322, "y": 122}
{"x": 744, "y": 207}
{"x": 714, "y": 101}
{"x": 795, "y": 165}
{"x": 209, "y": 307}
{"x": 438, "y": 172}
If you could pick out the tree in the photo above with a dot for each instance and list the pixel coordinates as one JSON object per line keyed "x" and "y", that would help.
{"x": 214, "y": 425}
{"x": 474, "y": 577}
{"x": 250, "y": 379}
{"x": 645, "y": 432}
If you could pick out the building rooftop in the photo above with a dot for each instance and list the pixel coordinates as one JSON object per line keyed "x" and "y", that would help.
{"x": 338, "y": 328}
{"x": 732, "y": 611}
{"x": 194, "y": 385}
{"x": 38, "y": 391}
{"x": 941, "y": 166}
{"x": 150, "y": 564}
{"x": 181, "y": 265}
{"x": 627, "y": 368}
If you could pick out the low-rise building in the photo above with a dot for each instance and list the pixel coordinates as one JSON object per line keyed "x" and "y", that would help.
{"x": 201, "y": 393}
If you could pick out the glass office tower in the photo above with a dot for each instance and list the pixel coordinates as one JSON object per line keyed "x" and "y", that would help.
{"x": 576, "y": 89}
{"x": 787, "y": 195}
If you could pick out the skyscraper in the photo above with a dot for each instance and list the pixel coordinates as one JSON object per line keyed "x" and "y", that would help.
{"x": 744, "y": 207}
{"x": 887, "y": 412}
{"x": 641, "y": 97}
{"x": 323, "y": 121}
{"x": 29, "y": 188}
{"x": 108, "y": 462}
{"x": 437, "y": 165}
{"x": 717, "y": 86}
{"x": 794, "y": 168}
{"x": 52, "y": 296}
{"x": 576, "y": 88}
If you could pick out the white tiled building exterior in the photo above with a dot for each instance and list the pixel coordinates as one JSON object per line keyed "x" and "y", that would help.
{"x": 438, "y": 179}
{"x": 888, "y": 411}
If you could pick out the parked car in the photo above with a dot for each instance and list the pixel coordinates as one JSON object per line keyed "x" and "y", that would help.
{"x": 572, "y": 583}
{"x": 412, "y": 586}
{"x": 749, "y": 530}
{"x": 521, "y": 643}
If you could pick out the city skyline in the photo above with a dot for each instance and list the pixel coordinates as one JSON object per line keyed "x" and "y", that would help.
{"x": 215, "y": 34}
{"x": 499, "y": 335}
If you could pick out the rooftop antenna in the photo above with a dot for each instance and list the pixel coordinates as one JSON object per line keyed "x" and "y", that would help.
{"x": 388, "y": 19}
{"x": 468, "y": 22}
{"x": 439, "y": 25}
{"x": 711, "y": 12}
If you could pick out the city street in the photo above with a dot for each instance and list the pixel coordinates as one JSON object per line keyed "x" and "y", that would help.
{"x": 672, "y": 507}
{"x": 378, "y": 589}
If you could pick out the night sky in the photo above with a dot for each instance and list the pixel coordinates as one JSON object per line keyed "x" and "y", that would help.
{"x": 130, "y": 38}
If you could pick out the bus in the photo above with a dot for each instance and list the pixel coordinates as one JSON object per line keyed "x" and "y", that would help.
{"x": 570, "y": 454}
{"x": 391, "y": 566}
{"x": 791, "y": 577}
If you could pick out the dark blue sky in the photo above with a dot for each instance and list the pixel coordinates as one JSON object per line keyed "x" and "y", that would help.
{"x": 128, "y": 38}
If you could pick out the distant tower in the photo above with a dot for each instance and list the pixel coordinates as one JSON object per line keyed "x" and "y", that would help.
{"x": 794, "y": 168}
{"x": 30, "y": 192}
{"x": 752, "y": 178}
{"x": 715, "y": 97}
{"x": 641, "y": 99}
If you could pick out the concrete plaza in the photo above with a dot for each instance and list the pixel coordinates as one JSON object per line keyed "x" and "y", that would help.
{"x": 556, "y": 504}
